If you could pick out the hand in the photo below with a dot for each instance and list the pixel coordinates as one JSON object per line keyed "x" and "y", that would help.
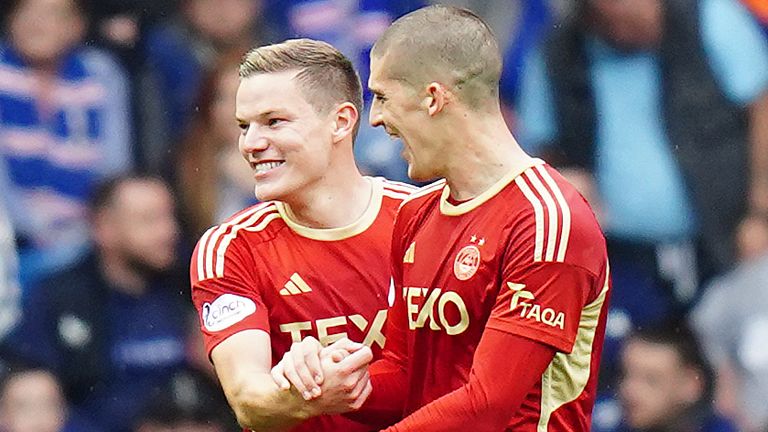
{"x": 301, "y": 365}
{"x": 346, "y": 383}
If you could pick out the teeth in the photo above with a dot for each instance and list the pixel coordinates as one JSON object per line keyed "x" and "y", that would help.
{"x": 266, "y": 166}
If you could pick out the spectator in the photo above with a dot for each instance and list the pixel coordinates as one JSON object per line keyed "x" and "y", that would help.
{"x": 63, "y": 126}
{"x": 667, "y": 384}
{"x": 31, "y": 399}
{"x": 179, "y": 54}
{"x": 665, "y": 104}
{"x": 732, "y": 321}
{"x": 209, "y": 157}
{"x": 113, "y": 326}
{"x": 191, "y": 401}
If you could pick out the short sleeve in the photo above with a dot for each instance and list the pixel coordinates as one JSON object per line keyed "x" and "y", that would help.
{"x": 224, "y": 290}
{"x": 737, "y": 49}
{"x": 542, "y": 301}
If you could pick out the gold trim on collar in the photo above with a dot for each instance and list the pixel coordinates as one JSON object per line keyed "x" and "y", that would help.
{"x": 340, "y": 233}
{"x": 449, "y": 209}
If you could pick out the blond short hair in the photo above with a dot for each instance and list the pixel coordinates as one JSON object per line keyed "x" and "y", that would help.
{"x": 325, "y": 76}
{"x": 444, "y": 43}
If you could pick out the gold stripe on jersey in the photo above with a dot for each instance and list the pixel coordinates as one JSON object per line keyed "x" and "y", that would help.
{"x": 551, "y": 212}
{"x": 538, "y": 212}
{"x": 210, "y": 240}
{"x": 268, "y": 215}
{"x": 426, "y": 190}
{"x": 399, "y": 186}
{"x": 567, "y": 375}
{"x": 249, "y": 226}
{"x": 566, "y": 212}
{"x": 341, "y": 233}
{"x": 213, "y": 241}
{"x": 395, "y": 195}
{"x": 449, "y": 209}
{"x": 554, "y": 206}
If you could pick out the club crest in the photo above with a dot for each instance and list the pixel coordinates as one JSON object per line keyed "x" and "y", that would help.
{"x": 466, "y": 263}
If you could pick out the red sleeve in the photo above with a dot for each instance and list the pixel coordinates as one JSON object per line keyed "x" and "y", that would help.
{"x": 223, "y": 288}
{"x": 543, "y": 301}
{"x": 489, "y": 399}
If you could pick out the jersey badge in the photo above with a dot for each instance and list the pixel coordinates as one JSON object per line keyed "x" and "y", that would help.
{"x": 226, "y": 310}
{"x": 468, "y": 259}
{"x": 294, "y": 286}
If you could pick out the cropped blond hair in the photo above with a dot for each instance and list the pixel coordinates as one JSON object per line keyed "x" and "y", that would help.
{"x": 325, "y": 76}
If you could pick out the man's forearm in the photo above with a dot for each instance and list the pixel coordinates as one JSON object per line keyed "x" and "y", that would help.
{"x": 260, "y": 405}
{"x": 384, "y": 406}
{"x": 491, "y": 398}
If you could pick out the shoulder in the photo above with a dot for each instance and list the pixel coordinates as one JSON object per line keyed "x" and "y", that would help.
{"x": 237, "y": 237}
{"x": 555, "y": 218}
{"x": 422, "y": 196}
{"x": 395, "y": 189}
{"x": 393, "y": 193}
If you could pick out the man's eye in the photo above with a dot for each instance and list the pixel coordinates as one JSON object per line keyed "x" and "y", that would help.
{"x": 243, "y": 127}
{"x": 274, "y": 121}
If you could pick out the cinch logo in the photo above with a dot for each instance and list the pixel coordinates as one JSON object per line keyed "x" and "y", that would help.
{"x": 534, "y": 311}
{"x": 226, "y": 310}
{"x": 324, "y": 326}
{"x": 424, "y": 305}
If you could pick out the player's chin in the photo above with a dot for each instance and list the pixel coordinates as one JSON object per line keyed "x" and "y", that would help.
{"x": 416, "y": 174}
{"x": 269, "y": 192}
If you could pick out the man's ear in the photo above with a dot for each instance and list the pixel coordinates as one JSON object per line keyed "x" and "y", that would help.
{"x": 345, "y": 118}
{"x": 437, "y": 98}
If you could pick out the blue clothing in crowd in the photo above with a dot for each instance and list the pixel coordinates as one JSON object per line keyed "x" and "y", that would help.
{"x": 641, "y": 186}
{"x": 112, "y": 350}
{"x": 56, "y": 141}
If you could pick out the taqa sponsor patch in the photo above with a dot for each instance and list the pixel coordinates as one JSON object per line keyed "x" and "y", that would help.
{"x": 226, "y": 310}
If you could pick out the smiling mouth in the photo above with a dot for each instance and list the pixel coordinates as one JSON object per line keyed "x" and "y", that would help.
{"x": 263, "y": 167}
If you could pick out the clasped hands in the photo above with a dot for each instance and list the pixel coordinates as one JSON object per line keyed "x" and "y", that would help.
{"x": 333, "y": 379}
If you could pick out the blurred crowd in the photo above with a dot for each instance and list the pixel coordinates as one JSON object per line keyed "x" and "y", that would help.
{"x": 118, "y": 149}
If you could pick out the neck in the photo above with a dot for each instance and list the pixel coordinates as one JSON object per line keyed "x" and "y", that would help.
{"x": 337, "y": 200}
{"x": 483, "y": 151}
{"x": 120, "y": 275}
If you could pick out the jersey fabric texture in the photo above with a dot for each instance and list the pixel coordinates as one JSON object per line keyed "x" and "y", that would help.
{"x": 262, "y": 270}
{"x": 526, "y": 257}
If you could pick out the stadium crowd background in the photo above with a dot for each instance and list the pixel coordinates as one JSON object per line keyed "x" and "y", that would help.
{"x": 118, "y": 149}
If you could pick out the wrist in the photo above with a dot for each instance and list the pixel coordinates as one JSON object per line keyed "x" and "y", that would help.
{"x": 300, "y": 409}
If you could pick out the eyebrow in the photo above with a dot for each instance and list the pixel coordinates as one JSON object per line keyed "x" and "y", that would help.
{"x": 259, "y": 115}
{"x": 377, "y": 92}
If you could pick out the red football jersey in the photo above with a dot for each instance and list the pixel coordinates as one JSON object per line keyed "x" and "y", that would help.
{"x": 526, "y": 257}
{"x": 262, "y": 270}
